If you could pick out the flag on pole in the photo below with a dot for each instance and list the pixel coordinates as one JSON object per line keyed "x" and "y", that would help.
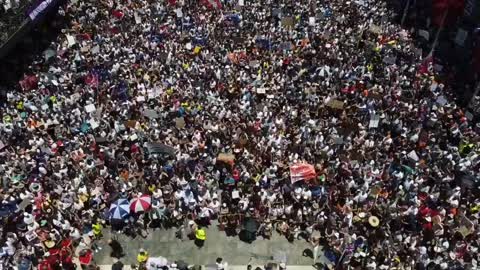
{"x": 302, "y": 171}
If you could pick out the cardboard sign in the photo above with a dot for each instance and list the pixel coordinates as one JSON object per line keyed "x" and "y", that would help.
{"x": 335, "y": 104}
{"x": 288, "y": 21}
{"x": 224, "y": 157}
{"x": 179, "y": 122}
{"x": 131, "y": 123}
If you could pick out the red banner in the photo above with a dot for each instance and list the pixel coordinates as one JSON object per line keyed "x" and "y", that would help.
{"x": 302, "y": 171}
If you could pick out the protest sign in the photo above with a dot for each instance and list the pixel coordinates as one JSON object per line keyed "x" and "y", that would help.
{"x": 90, "y": 108}
{"x": 335, "y": 104}
{"x": 288, "y": 21}
{"x": 374, "y": 120}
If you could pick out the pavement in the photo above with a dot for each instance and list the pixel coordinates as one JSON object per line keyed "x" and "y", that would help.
{"x": 231, "y": 249}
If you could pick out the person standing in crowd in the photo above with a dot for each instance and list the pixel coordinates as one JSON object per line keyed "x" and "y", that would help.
{"x": 117, "y": 265}
{"x": 200, "y": 237}
{"x": 142, "y": 258}
{"x": 117, "y": 250}
{"x": 221, "y": 265}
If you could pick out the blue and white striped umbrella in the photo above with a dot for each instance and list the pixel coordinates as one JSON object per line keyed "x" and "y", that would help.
{"x": 119, "y": 209}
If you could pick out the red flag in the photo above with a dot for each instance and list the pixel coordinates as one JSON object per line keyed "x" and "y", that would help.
{"x": 29, "y": 83}
{"x": 426, "y": 65}
{"x": 302, "y": 171}
{"x": 92, "y": 80}
{"x": 118, "y": 14}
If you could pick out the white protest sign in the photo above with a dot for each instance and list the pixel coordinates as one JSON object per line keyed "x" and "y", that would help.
{"x": 413, "y": 155}
{"x": 70, "y": 40}
{"x": 261, "y": 90}
{"x": 94, "y": 124}
{"x": 90, "y": 108}
{"x": 374, "y": 120}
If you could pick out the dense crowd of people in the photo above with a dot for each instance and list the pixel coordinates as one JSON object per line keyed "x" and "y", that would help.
{"x": 195, "y": 111}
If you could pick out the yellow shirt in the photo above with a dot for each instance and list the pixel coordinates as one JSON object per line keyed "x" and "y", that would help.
{"x": 97, "y": 228}
{"x": 141, "y": 258}
{"x": 200, "y": 234}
